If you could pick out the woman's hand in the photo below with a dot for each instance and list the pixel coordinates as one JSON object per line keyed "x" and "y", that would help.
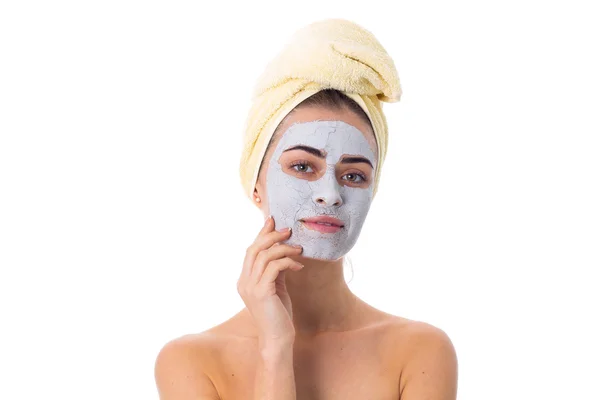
{"x": 262, "y": 283}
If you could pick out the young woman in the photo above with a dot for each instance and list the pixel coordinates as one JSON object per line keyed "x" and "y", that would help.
{"x": 303, "y": 334}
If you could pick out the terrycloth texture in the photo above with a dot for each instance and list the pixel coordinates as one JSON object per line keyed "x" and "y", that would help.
{"x": 332, "y": 53}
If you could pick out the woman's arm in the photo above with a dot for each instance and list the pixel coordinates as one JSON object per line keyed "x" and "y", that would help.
{"x": 275, "y": 372}
{"x": 431, "y": 372}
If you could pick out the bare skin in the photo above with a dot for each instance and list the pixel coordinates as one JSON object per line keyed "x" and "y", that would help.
{"x": 343, "y": 348}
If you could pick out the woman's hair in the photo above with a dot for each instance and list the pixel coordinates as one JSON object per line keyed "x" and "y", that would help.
{"x": 331, "y": 99}
{"x": 334, "y": 100}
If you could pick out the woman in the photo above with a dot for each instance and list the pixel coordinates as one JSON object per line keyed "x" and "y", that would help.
{"x": 316, "y": 138}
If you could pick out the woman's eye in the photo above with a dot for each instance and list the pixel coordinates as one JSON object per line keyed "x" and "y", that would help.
{"x": 354, "y": 177}
{"x": 304, "y": 168}
{"x": 301, "y": 167}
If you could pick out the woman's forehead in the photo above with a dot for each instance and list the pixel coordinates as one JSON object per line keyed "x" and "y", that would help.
{"x": 330, "y": 140}
{"x": 319, "y": 114}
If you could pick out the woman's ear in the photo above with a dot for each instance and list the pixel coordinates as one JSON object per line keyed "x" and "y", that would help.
{"x": 255, "y": 196}
{"x": 259, "y": 198}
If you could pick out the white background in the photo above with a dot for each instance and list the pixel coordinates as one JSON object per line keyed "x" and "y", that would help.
{"x": 123, "y": 224}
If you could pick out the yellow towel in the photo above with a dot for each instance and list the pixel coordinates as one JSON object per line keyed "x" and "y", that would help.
{"x": 331, "y": 53}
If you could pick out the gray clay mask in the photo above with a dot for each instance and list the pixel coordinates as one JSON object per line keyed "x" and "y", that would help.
{"x": 293, "y": 198}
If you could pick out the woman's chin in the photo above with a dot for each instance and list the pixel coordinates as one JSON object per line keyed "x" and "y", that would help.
{"x": 325, "y": 258}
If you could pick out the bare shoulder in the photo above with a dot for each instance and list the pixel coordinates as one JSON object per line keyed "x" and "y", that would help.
{"x": 429, "y": 362}
{"x": 181, "y": 368}
{"x": 416, "y": 335}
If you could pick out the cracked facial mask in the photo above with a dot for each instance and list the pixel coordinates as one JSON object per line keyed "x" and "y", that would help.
{"x": 304, "y": 185}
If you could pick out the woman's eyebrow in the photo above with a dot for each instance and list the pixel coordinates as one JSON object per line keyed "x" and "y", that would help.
{"x": 308, "y": 149}
{"x": 355, "y": 159}
{"x": 320, "y": 154}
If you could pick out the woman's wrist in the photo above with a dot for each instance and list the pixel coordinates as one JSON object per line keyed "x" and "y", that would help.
{"x": 273, "y": 347}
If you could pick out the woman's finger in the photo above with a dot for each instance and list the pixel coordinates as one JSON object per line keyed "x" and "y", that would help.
{"x": 268, "y": 226}
{"x": 269, "y": 239}
{"x": 251, "y": 251}
{"x": 263, "y": 242}
{"x": 275, "y": 267}
{"x": 264, "y": 257}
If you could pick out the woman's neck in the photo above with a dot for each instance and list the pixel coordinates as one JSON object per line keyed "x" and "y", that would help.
{"x": 321, "y": 298}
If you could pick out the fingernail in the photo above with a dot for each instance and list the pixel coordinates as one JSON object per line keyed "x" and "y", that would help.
{"x": 268, "y": 218}
{"x": 284, "y": 230}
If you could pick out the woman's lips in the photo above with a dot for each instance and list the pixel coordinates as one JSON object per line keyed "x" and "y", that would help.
{"x": 323, "y": 224}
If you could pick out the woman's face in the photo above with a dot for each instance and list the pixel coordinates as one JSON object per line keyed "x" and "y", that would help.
{"x": 320, "y": 164}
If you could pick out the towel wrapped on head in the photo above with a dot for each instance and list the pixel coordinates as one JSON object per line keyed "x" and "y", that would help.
{"x": 328, "y": 54}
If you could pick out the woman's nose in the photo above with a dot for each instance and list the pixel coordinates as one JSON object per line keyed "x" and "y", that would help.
{"x": 328, "y": 193}
{"x": 329, "y": 200}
